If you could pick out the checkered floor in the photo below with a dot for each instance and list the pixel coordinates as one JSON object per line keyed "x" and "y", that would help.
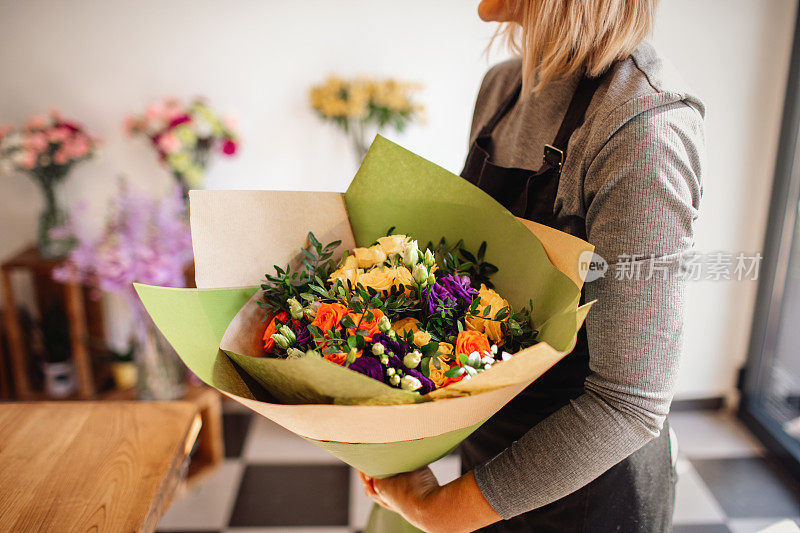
{"x": 275, "y": 482}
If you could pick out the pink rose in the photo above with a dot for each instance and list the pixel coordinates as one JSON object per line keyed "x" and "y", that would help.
{"x": 29, "y": 158}
{"x": 231, "y": 122}
{"x": 228, "y": 147}
{"x": 57, "y": 135}
{"x": 168, "y": 143}
{"x": 36, "y": 142}
{"x": 36, "y": 123}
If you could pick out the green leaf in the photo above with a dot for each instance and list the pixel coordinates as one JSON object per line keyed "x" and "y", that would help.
{"x": 486, "y": 311}
{"x": 424, "y": 366}
{"x": 355, "y": 305}
{"x": 347, "y": 322}
{"x": 467, "y": 255}
{"x": 314, "y": 242}
{"x": 352, "y": 341}
{"x": 309, "y": 255}
{"x": 454, "y": 372}
{"x": 430, "y": 348}
{"x": 502, "y": 314}
{"x": 482, "y": 251}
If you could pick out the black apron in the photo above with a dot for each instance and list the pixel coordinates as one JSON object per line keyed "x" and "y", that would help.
{"x": 635, "y": 495}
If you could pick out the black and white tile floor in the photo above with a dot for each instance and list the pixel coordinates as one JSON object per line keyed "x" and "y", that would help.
{"x": 273, "y": 481}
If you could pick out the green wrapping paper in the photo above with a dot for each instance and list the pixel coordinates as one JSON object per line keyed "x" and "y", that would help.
{"x": 237, "y": 237}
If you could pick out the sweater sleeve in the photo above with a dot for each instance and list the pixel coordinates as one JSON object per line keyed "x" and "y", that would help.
{"x": 642, "y": 193}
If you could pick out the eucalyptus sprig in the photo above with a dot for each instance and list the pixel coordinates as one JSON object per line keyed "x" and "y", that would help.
{"x": 457, "y": 259}
{"x": 286, "y": 284}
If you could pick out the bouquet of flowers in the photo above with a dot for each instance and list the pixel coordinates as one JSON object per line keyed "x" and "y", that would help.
{"x": 391, "y": 354}
{"x": 185, "y": 136}
{"x": 415, "y": 320}
{"x": 46, "y": 149}
{"x": 361, "y": 105}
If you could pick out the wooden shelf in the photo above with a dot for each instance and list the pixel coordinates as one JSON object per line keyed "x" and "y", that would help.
{"x": 83, "y": 320}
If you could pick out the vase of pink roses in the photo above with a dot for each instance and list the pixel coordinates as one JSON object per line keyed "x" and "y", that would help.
{"x": 185, "y": 137}
{"x": 47, "y": 148}
{"x": 147, "y": 241}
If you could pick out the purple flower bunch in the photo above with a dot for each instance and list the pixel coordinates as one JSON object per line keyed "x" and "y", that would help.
{"x": 448, "y": 292}
{"x": 143, "y": 240}
{"x": 369, "y": 366}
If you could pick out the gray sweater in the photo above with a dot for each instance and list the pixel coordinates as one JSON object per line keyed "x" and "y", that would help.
{"x": 633, "y": 172}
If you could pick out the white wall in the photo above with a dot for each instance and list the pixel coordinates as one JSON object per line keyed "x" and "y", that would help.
{"x": 735, "y": 54}
{"x": 98, "y": 61}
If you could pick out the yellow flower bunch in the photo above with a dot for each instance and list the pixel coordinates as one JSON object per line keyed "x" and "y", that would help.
{"x": 337, "y": 98}
{"x": 380, "y": 100}
{"x": 367, "y": 266}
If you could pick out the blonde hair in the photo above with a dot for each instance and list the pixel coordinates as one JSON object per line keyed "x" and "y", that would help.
{"x": 558, "y": 37}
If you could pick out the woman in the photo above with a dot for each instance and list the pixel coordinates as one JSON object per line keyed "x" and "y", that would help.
{"x": 589, "y": 133}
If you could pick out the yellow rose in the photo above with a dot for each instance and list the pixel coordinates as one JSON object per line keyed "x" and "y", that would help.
{"x": 348, "y": 271}
{"x": 437, "y": 374}
{"x": 393, "y": 244}
{"x": 402, "y": 276}
{"x": 421, "y": 338}
{"x": 488, "y": 326}
{"x": 406, "y": 324}
{"x": 445, "y": 348}
{"x": 369, "y": 257}
{"x": 381, "y": 279}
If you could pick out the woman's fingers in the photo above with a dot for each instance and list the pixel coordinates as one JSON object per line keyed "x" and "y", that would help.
{"x": 369, "y": 486}
{"x": 370, "y": 491}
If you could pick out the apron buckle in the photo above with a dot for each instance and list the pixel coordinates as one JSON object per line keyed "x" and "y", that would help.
{"x": 553, "y": 156}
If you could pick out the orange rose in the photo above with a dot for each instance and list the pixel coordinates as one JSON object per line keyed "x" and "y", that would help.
{"x": 329, "y": 315}
{"x": 272, "y": 329}
{"x": 371, "y": 327}
{"x": 338, "y": 358}
{"x": 471, "y": 341}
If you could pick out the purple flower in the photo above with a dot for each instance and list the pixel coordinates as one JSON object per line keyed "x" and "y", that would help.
{"x": 368, "y": 366}
{"x": 448, "y": 292}
{"x": 396, "y": 347}
{"x": 301, "y": 332}
{"x": 397, "y": 363}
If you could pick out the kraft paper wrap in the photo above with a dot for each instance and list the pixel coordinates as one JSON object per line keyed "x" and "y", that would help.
{"x": 239, "y": 235}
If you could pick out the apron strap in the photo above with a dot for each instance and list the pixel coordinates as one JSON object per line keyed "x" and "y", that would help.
{"x": 576, "y": 111}
{"x": 555, "y": 153}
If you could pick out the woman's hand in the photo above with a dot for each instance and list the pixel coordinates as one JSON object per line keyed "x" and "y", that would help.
{"x": 418, "y": 497}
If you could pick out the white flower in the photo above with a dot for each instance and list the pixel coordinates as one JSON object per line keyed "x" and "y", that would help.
{"x": 410, "y": 383}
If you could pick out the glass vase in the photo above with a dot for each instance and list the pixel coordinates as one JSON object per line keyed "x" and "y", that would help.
{"x": 160, "y": 372}
{"x": 52, "y": 216}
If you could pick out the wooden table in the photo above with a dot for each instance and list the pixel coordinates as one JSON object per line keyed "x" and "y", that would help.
{"x": 90, "y": 466}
